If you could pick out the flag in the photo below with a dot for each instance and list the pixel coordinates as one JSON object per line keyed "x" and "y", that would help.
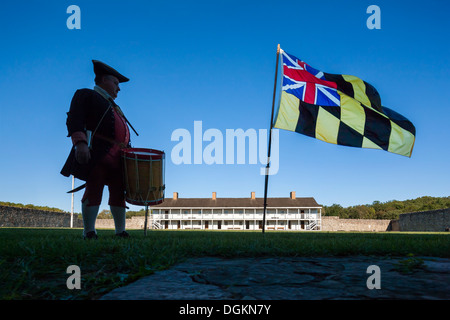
{"x": 339, "y": 109}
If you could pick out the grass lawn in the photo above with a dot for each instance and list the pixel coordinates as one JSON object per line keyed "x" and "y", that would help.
{"x": 33, "y": 262}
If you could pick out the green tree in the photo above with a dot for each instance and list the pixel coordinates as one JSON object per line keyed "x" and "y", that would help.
{"x": 333, "y": 210}
{"x": 105, "y": 214}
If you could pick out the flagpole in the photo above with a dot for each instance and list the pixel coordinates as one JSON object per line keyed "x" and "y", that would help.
{"x": 270, "y": 142}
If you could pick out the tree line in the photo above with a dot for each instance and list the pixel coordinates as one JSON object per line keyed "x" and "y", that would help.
{"x": 30, "y": 206}
{"x": 386, "y": 210}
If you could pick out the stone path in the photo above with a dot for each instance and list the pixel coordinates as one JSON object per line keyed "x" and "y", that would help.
{"x": 301, "y": 278}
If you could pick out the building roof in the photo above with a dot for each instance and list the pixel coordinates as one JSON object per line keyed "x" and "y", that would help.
{"x": 237, "y": 203}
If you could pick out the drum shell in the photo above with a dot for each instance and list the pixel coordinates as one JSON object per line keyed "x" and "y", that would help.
{"x": 143, "y": 176}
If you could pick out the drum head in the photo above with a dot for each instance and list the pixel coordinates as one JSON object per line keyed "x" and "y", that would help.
{"x": 142, "y": 153}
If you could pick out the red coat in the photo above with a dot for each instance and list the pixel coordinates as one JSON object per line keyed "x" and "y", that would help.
{"x": 88, "y": 110}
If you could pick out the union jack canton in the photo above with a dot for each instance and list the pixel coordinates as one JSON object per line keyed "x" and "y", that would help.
{"x": 308, "y": 84}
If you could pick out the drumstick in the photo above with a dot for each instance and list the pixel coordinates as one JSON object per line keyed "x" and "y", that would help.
{"x": 130, "y": 125}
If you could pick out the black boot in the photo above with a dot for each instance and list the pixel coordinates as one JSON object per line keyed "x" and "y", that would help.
{"x": 90, "y": 235}
{"x": 123, "y": 234}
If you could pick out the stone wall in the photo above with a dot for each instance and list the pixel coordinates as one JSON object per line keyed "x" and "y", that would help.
{"x": 133, "y": 223}
{"x": 435, "y": 220}
{"x": 31, "y": 218}
{"x": 331, "y": 223}
{"x": 394, "y": 226}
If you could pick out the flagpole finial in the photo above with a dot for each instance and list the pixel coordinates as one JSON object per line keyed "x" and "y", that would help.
{"x": 278, "y": 49}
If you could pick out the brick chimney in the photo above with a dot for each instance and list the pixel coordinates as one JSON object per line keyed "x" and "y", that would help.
{"x": 175, "y": 195}
{"x": 214, "y": 196}
{"x": 253, "y": 195}
{"x": 293, "y": 195}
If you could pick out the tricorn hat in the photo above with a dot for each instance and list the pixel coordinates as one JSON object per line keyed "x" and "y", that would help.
{"x": 101, "y": 68}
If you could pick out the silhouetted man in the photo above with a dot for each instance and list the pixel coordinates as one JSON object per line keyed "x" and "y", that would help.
{"x": 99, "y": 130}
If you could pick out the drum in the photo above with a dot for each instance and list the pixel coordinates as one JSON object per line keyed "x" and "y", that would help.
{"x": 144, "y": 176}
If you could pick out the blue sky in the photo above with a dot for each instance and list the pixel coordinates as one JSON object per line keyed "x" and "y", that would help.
{"x": 214, "y": 61}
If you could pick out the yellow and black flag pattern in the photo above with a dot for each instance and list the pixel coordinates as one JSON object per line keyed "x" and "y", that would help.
{"x": 339, "y": 109}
